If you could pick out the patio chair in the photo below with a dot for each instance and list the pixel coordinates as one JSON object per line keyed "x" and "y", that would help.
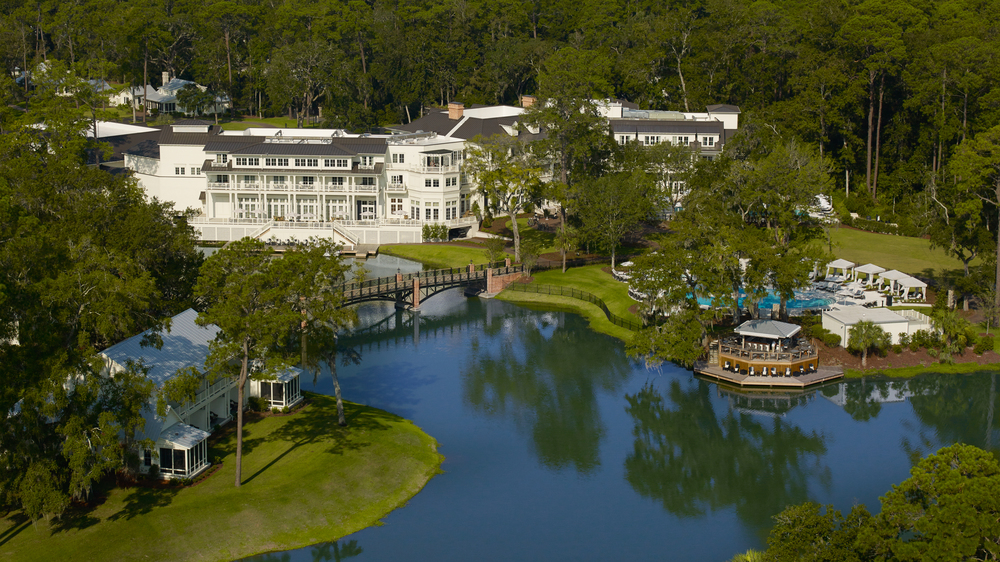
{"x": 774, "y": 371}
{"x": 727, "y": 365}
{"x": 751, "y": 371}
{"x": 802, "y": 371}
{"x": 812, "y": 368}
{"x": 788, "y": 371}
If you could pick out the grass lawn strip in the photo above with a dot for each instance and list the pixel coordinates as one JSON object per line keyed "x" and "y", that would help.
{"x": 306, "y": 480}
{"x": 909, "y": 255}
{"x": 938, "y": 368}
{"x": 587, "y": 278}
{"x": 436, "y": 256}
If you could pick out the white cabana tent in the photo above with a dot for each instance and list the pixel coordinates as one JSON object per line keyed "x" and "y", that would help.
{"x": 839, "y": 264}
{"x": 892, "y": 276}
{"x": 907, "y": 284}
{"x": 870, "y": 270}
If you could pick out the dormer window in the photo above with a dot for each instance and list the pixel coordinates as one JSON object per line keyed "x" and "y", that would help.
{"x": 221, "y": 158}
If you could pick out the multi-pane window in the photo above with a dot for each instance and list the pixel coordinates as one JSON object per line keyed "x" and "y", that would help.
{"x": 681, "y": 140}
{"x": 451, "y": 182}
{"x": 368, "y": 180}
{"x": 427, "y": 213}
{"x": 415, "y": 209}
{"x": 276, "y": 162}
{"x": 179, "y": 171}
{"x": 249, "y": 179}
{"x": 278, "y": 179}
{"x": 709, "y": 141}
{"x": 306, "y": 162}
{"x": 241, "y": 161}
{"x": 398, "y": 158}
{"x": 396, "y": 180}
{"x": 335, "y": 163}
{"x": 451, "y": 210}
{"x": 220, "y": 178}
{"x": 652, "y": 139}
{"x": 437, "y": 211}
{"x": 337, "y": 180}
{"x": 396, "y": 205}
{"x": 367, "y": 161}
{"x": 195, "y": 171}
{"x": 221, "y": 158}
{"x": 432, "y": 183}
{"x": 308, "y": 180}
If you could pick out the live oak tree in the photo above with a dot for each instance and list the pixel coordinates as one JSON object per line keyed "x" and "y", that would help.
{"x": 946, "y": 510}
{"x": 316, "y": 292}
{"x": 611, "y": 207}
{"x": 978, "y": 164}
{"x": 246, "y": 292}
{"x": 506, "y": 176}
{"x": 85, "y": 261}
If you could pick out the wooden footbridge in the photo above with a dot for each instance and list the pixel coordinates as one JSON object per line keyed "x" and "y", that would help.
{"x": 408, "y": 290}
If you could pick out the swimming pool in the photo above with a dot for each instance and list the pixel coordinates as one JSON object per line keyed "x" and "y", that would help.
{"x": 805, "y": 299}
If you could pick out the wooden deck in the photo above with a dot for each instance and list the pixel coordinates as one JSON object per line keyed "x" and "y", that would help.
{"x": 714, "y": 372}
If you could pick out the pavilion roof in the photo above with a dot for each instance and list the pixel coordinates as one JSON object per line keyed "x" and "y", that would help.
{"x": 840, "y": 264}
{"x": 910, "y": 282}
{"x": 770, "y": 329}
{"x": 869, "y": 268}
{"x": 893, "y": 274}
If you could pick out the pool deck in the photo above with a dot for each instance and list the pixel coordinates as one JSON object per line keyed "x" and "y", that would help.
{"x": 823, "y": 374}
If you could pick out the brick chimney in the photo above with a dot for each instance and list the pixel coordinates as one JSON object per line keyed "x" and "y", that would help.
{"x": 527, "y": 101}
{"x": 166, "y": 77}
{"x": 456, "y": 110}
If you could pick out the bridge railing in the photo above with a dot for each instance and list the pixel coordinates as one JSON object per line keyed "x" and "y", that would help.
{"x": 432, "y": 275}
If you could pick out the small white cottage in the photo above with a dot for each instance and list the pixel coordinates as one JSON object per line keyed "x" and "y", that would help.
{"x": 181, "y": 435}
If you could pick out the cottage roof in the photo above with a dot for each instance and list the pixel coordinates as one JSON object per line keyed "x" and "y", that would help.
{"x": 771, "y": 329}
{"x": 185, "y": 345}
{"x": 183, "y": 435}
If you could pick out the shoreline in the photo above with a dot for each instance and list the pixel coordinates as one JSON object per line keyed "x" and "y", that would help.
{"x": 306, "y": 481}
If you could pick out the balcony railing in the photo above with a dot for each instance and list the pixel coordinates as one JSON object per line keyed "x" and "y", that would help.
{"x": 761, "y": 352}
{"x": 365, "y": 188}
{"x": 395, "y": 187}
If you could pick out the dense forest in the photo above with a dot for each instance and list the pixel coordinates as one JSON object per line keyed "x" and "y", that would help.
{"x": 886, "y": 89}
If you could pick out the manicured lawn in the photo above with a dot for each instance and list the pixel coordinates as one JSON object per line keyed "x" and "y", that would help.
{"x": 906, "y": 372}
{"x": 436, "y": 256}
{"x": 588, "y": 278}
{"x": 306, "y": 480}
{"x": 546, "y": 240}
{"x": 909, "y": 255}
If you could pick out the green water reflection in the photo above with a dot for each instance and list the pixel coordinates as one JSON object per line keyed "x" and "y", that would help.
{"x": 546, "y": 378}
{"x": 693, "y": 459}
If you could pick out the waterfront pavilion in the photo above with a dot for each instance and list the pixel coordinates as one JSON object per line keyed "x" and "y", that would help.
{"x": 767, "y": 348}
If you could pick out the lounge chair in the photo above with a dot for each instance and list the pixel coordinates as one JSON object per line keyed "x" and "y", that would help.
{"x": 788, "y": 371}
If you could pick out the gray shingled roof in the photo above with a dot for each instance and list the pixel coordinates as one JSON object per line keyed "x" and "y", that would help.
{"x": 184, "y": 345}
{"x": 183, "y": 435}
{"x": 666, "y": 126}
{"x": 723, "y": 108}
{"x": 771, "y": 329}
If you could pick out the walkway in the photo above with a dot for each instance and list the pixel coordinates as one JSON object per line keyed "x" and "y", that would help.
{"x": 715, "y": 372}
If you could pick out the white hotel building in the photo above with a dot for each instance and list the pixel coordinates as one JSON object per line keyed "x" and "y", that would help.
{"x": 284, "y": 183}
{"x": 362, "y": 189}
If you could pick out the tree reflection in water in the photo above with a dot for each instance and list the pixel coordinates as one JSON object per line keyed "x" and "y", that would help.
{"x": 324, "y": 552}
{"x": 694, "y": 460}
{"x": 958, "y": 409}
{"x": 545, "y": 376}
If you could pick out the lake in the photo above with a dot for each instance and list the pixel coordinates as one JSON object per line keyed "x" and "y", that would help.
{"x": 560, "y": 447}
